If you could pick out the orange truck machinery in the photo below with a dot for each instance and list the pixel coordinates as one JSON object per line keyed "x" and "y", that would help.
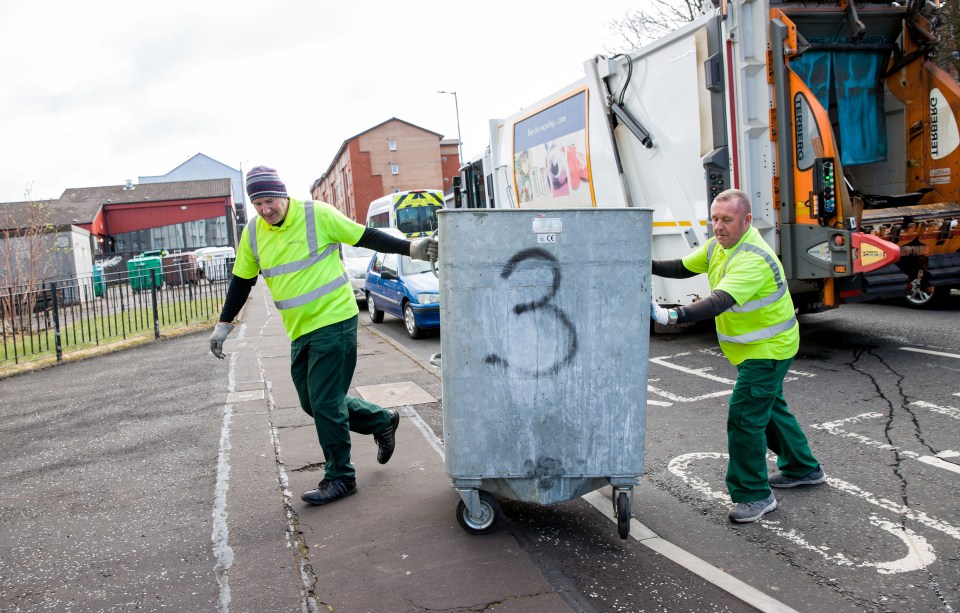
{"x": 830, "y": 116}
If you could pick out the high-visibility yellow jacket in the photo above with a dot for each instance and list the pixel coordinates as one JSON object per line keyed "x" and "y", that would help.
{"x": 300, "y": 261}
{"x": 762, "y": 324}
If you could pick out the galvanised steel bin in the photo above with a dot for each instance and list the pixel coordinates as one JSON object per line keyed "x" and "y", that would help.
{"x": 545, "y": 334}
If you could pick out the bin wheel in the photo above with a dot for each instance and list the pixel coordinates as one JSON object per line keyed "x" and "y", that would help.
{"x": 491, "y": 515}
{"x": 623, "y": 514}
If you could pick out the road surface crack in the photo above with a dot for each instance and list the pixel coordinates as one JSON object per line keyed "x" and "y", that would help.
{"x": 902, "y": 402}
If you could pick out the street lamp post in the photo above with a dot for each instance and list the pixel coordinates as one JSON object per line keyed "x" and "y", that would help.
{"x": 456, "y": 105}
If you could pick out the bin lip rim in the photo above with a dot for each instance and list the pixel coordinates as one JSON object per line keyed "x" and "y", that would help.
{"x": 611, "y": 209}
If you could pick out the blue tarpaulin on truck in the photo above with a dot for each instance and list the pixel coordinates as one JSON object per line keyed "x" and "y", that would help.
{"x": 854, "y": 77}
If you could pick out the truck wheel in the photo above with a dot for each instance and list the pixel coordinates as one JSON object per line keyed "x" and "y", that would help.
{"x": 923, "y": 296}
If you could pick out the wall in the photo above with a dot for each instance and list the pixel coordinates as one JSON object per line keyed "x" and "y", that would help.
{"x": 449, "y": 163}
{"x": 140, "y": 216}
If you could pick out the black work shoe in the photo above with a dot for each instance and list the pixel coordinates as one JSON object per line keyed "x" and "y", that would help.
{"x": 330, "y": 490}
{"x": 387, "y": 440}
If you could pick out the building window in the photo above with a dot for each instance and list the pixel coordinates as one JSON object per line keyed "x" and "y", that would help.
{"x": 189, "y": 235}
{"x": 392, "y": 144}
{"x": 395, "y": 169}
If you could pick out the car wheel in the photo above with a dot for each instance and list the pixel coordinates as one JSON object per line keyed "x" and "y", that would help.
{"x": 410, "y": 322}
{"x": 376, "y": 315}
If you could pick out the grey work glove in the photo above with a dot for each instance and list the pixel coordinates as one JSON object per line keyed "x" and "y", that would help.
{"x": 425, "y": 249}
{"x": 219, "y": 335}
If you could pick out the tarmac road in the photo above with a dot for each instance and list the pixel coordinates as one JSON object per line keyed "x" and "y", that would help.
{"x": 159, "y": 478}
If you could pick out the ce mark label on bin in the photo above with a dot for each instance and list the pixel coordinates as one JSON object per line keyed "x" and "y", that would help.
{"x": 547, "y": 228}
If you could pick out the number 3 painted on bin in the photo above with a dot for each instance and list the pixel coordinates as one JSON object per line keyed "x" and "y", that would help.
{"x": 542, "y": 303}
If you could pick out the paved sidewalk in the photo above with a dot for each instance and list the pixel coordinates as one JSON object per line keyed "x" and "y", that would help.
{"x": 396, "y": 545}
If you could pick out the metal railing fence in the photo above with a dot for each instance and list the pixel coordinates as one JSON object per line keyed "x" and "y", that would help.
{"x": 68, "y": 315}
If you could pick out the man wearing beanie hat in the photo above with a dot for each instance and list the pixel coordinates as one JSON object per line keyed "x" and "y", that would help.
{"x": 295, "y": 246}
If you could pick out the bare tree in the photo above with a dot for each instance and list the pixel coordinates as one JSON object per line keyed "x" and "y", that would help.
{"x": 947, "y": 55}
{"x": 638, "y": 27}
{"x": 25, "y": 233}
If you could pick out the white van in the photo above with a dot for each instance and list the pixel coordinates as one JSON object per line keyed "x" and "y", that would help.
{"x": 215, "y": 263}
{"x": 413, "y": 212}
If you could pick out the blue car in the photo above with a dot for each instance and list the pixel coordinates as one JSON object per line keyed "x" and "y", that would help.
{"x": 405, "y": 288}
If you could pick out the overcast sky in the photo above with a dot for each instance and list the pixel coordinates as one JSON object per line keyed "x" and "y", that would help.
{"x": 98, "y": 92}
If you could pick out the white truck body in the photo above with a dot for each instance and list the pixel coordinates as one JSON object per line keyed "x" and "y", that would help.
{"x": 730, "y": 101}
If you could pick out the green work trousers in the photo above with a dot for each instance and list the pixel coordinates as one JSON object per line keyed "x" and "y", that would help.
{"x": 322, "y": 364}
{"x": 759, "y": 420}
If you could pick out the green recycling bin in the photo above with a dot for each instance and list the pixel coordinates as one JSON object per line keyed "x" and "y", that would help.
{"x": 99, "y": 282}
{"x": 144, "y": 271}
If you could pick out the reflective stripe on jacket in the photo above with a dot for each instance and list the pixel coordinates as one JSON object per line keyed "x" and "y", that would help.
{"x": 765, "y": 325}
{"x": 314, "y": 258}
{"x": 302, "y": 266}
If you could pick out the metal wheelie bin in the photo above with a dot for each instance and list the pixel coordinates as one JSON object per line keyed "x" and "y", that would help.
{"x": 545, "y": 324}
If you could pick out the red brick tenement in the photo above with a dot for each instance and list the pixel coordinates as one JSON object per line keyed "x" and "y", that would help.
{"x": 389, "y": 157}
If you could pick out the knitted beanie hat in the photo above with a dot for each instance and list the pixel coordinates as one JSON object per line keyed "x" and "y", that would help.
{"x": 264, "y": 182}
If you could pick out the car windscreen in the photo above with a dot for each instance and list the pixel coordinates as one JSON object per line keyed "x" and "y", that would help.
{"x": 415, "y": 267}
{"x": 351, "y": 251}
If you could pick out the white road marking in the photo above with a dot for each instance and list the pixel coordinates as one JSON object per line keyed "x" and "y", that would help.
{"x": 641, "y": 533}
{"x": 936, "y": 461}
{"x": 220, "y": 535}
{"x": 699, "y": 372}
{"x": 906, "y": 512}
{"x": 698, "y": 566}
{"x": 425, "y": 430}
{"x": 948, "y": 411}
{"x": 659, "y": 403}
{"x": 678, "y": 398}
{"x": 919, "y": 551}
{"x": 931, "y": 352}
{"x": 833, "y": 427}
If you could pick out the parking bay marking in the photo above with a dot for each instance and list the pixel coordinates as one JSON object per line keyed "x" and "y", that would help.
{"x": 948, "y": 411}
{"x": 647, "y": 537}
{"x": 698, "y": 372}
{"x": 931, "y": 352}
{"x": 919, "y": 552}
{"x": 833, "y": 427}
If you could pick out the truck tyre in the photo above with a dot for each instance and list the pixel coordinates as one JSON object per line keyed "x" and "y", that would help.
{"x": 923, "y": 296}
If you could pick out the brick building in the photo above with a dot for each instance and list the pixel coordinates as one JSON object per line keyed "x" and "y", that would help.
{"x": 88, "y": 224}
{"x": 390, "y": 157}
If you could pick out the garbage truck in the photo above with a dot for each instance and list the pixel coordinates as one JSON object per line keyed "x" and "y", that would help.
{"x": 830, "y": 116}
